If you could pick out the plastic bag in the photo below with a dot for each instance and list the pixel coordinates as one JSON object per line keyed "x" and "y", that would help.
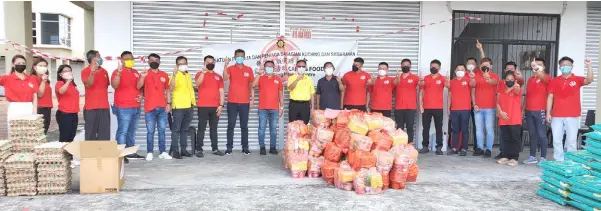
{"x": 342, "y": 138}
{"x": 328, "y": 170}
{"x": 364, "y": 160}
{"x": 566, "y": 168}
{"x": 332, "y": 152}
{"x": 596, "y": 135}
{"x": 374, "y": 122}
{"x": 384, "y": 160}
{"x": 596, "y": 205}
{"x": 360, "y": 142}
{"x": 411, "y": 152}
{"x": 555, "y": 190}
{"x": 325, "y": 135}
{"x": 389, "y": 125}
{"x": 343, "y": 179}
{"x": 373, "y": 182}
{"x": 342, "y": 120}
{"x": 358, "y": 126}
{"x": 385, "y": 179}
{"x": 380, "y": 140}
{"x": 316, "y": 149}
{"x": 298, "y": 165}
{"x": 297, "y": 129}
{"x": 413, "y": 171}
{"x": 314, "y": 166}
{"x": 318, "y": 119}
{"x": 551, "y": 196}
{"x": 398, "y": 177}
{"x": 359, "y": 181}
{"x": 399, "y": 137}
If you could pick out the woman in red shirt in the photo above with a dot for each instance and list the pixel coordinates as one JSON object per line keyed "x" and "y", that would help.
{"x": 509, "y": 111}
{"x": 39, "y": 71}
{"x": 68, "y": 104}
{"x": 20, "y": 90}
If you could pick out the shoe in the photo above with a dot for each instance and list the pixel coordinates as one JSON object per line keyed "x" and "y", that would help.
{"x": 542, "y": 159}
{"x": 424, "y": 150}
{"x": 499, "y": 156}
{"x": 175, "y": 154}
{"x": 246, "y": 152}
{"x": 165, "y": 156}
{"x": 478, "y": 152}
{"x": 488, "y": 153}
{"x": 135, "y": 156}
{"x": 199, "y": 154}
{"x": 149, "y": 156}
{"x": 439, "y": 151}
{"x": 452, "y": 152}
{"x": 463, "y": 153}
{"x": 531, "y": 160}
{"x": 228, "y": 151}
{"x": 503, "y": 161}
{"x": 218, "y": 153}
{"x": 125, "y": 160}
{"x": 262, "y": 151}
{"x": 513, "y": 163}
{"x": 185, "y": 153}
{"x": 273, "y": 151}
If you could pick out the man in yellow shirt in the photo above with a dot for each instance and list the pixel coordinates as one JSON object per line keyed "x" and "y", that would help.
{"x": 301, "y": 94}
{"x": 183, "y": 102}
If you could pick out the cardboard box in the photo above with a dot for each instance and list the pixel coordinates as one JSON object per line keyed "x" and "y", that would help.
{"x": 102, "y": 166}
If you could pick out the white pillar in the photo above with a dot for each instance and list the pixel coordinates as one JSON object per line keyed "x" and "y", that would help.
{"x": 88, "y": 19}
{"x": 18, "y": 28}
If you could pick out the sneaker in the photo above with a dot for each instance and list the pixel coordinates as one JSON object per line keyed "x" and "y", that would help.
{"x": 513, "y": 163}
{"x": 165, "y": 156}
{"x": 478, "y": 152}
{"x": 149, "y": 156}
{"x": 218, "y": 153}
{"x": 273, "y": 151}
{"x": 463, "y": 153}
{"x": 228, "y": 151}
{"x": 176, "y": 155}
{"x": 542, "y": 159}
{"x": 531, "y": 160}
{"x": 424, "y": 150}
{"x": 499, "y": 156}
{"x": 199, "y": 154}
{"x": 135, "y": 156}
{"x": 185, "y": 153}
{"x": 452, "y": 152}
{"x": 439, "y": 151}
{"x": 262, "y": 151}
{"x": 488, "y": 153}
{"x": 503, "y": 161}
{"x": 246, "y": 152}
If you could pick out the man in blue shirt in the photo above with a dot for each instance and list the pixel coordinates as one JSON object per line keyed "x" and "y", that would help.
{"x": 330, "y": 90}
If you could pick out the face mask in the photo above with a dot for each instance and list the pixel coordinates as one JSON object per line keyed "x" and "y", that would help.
{"x": 41, "y": 70}
{"x": 269, "y": 70}
{"x": 128, "y": 63}
{"x": 484, "y": 69}
{"x": 566, "y": 70}
{"x": 67, "y": 75}
{"x": 433, "y": 70}
{"x": 20, "y": 68}
{"x": 509, "y": 83}
{"x": 382, "y": 72}
{"x": 99, "y": 60}
{"x": 300, "y": 70}
{"x": 460, "y": 73}
{"x": 154, "y": 65}
{"x": 210, "y": 66}
{"x": 405, "y": 69}
{"x": 471, "y": 67}
{"x": 239, "y": 60}
{"x": 329, "y": 71}
{"x": 355, "y": 68}
{"x": 183, "y": 68}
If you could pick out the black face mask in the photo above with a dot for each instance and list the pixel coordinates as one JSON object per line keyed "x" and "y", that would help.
{"x": 154, "y": 65}
{"x": 433, "y": 70}
{"x": 509, "y": 84}
{"x": 20, "y": 68}
{"x": 405, "y": 69}
{"x": 484, "y": 69}
{"x": 210, "y": 66}
{"x": 355, "y": 68}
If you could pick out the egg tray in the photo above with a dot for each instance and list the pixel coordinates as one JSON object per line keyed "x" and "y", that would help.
{"x": 46, "y": 189}
{"x": 20, "y": 160}
{"x": 53, "y": 167}
{"x": 21, "y": 192}
{"x": 30, "y": 133}
{"x": 53, "y": 184}
{"x": 5, "y": 145}
{"x": 21, "y": 185}
{"x": 54, "y": 158}
{"x": 20, "y": 178}
{"x": 60, "y": 179}
{"x": 2, "y": 191}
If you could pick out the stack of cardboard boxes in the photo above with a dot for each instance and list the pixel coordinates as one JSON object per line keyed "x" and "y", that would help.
{"x": 21, "y": 174}
{"x": 4, "y": 153}
{"x": 53, "y": 168}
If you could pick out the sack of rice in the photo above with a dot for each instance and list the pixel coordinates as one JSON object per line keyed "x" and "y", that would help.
{"x": 364, "y": 159}
{"x": 314, "y": 166}
{"x": 332, "y": 152}
{"x": 566, "y": 168}
{"x": 328, "y": 170}
{"x": 342, "y": 138}
{"x": 551, "y": 196}
{"x": 373, "y": 121}
{"x": 298, "y": 165}
{"x": 554, "y": 189}
{"x": 360, "y": 142}
{"x": 381, "y": 141}
{"x": 399, "y": 137}
{"x": 358, "y": 126}
{"x": 343, "y": 179}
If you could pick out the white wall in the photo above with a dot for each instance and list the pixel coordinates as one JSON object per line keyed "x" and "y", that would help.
{"x": 77, "y": 21}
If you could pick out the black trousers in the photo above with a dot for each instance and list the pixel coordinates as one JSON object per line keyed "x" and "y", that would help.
{"x": 386, "y": 113}
{"x": 46, "y": 113}
{"x": 358, "y": 107}
{"x": 299, "y": 110}
{"x": 181, "y": 119}
{"x": 97, "y": 124}
{"x": 405, "y": 119}
{"x": 427, "y": 119}
{"x": 511, "y": 138}
{"x": 207, "y": 114}
{"x": 67, "y": 126}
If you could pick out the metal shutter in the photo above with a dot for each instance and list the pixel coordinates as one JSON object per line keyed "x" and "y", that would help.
{"x": 169, "y": 26}
{"x": 593, "y": 31}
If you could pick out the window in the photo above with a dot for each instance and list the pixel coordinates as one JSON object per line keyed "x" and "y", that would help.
{"x": 55, "y": 29}
{"x": 33, "y": 24}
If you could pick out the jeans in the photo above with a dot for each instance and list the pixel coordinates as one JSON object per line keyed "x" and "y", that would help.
{"x": 427, "y": 119}
{"x": 405, "y": 119}
{"x": 156, "y": 118}
{"x": 207, "y": 114}
{"x": 460, "y": 121}
{"x": 233, "y": 110}
{"x": 67, "y": 125}
{"x": 537, "y": 128}
{"x": 512, "y": 138}
{"x": 179, "y": 131}
{"x": 559, "y": 126}
{"x": 127, "y": 123}
{"x": 485, "y": 119}
{"x": 46, "y": 113}
{"x": 272, "y": 116}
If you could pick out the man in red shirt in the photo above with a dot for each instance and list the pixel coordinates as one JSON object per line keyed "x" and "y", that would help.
{"x": 271, "y": 105}
{"x": 563, "y": 105}
{"x": 241, "y": 78}
{"x": 210, "y": 104}
{"x": 509, "y": 111}
{"x": 484, "y": 101}
{"x": 536, "y": 101}
{"x": 156, "y": 105}
{"x": 431, "y": 104}
{"x": 460, "y": 107}
{"x": 127, "y": 102}
{"x": 96, "y": 113}
{"x": 356, "y": 82}
{"x": 381, "y": 91}
{"x": 406, "y": 84}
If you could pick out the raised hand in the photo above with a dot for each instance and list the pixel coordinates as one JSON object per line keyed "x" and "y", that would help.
{"x": 478, "y": 44}
{"x": 120, "y": 67}
{"x": 587, "y": 61}
{"x": 144, "y": 74}
{"x": 227, "y": 60}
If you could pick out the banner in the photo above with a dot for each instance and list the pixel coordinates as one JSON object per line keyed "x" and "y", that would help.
{"x": 285, "y": 52}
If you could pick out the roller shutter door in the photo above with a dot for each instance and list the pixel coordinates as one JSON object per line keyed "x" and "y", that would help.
{"x": 593, "y": 30}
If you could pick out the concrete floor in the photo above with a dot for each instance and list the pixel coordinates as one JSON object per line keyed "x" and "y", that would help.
{"x": 256, "y": 182}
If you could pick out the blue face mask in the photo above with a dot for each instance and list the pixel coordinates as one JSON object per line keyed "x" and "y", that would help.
{"x": 99, "y": 60}
{"x": 566, "y": 70}
{"x": 239, "y": 60}
{"x": 269, "y": 70}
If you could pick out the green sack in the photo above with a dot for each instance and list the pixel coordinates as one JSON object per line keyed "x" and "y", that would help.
{"x": 555, "y": 183}
{"x": 596, "y": 205}
{"x": 583, "y": 192}
{"x": 551, "y": 196}
{"x": 596, "y": 135}
{"x": 554, "y": 175}
{"x": 587, "y": 182}
{"x": 596, "y": 173}
{"x": 566, "y": 168}
{"x": 581, "y": 206}
{"x": 596, "y": 127}
{"x": 592, "y": 150}
{"x": 593, "y": 143}
{"x": 580, "y": 156}
{"x": 553, "y": 189}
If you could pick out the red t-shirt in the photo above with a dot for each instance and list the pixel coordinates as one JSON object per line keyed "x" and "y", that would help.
{"x": 511, "y": 103}
{"x": 269, "y": 88}
{"x": 208, "y": 92}
{"x": 127, "y": 91}
{"x": 44, "y": 101}
{"x": 566, "y": 96}
{"x": 485, "y": 92}
{"x": 68, "y": 102}
{"x": 406, "y": 92}
{"x": 433, "y": 92}
{"x": 356, "y": 88}
{"x": 381, "y": 93}
{"x": 240, "y": 80}
{"x": 536, "y": 94}
{"x": 17, "y": 90}
{"x": 461, "y": 94}
{"x": 96, "y": 96}
{"x": 155, "y": 85}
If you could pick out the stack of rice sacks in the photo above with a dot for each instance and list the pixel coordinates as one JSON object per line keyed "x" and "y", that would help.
{"x": 26, "y": 132}
{"x": 593, "y": 148}
{"x": 4, "y": 153}
{"x": 53, "y": 168}
{"x": 21, "y": 175}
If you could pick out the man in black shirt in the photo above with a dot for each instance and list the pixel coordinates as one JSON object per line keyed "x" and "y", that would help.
{"x": 330, "y": 90}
